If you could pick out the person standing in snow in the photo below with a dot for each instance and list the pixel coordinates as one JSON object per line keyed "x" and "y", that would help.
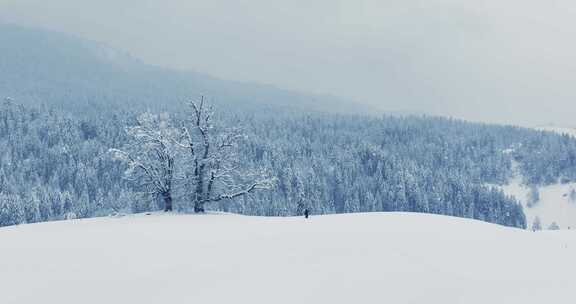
{"x": 306, "y": 213}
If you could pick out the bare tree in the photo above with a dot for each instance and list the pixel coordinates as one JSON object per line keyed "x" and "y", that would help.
{"x": 214, "y": 172}
{"x": 151, "y": 156}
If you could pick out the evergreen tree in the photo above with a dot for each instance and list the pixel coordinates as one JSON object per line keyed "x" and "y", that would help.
{"x": 536, "y": 225}
{"x": 11, "y": 210}
{"x": 533, "y": 196}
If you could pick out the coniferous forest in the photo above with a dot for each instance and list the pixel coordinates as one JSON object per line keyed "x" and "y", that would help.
{"x": 55, "y": 165}
{"x": 72, "y": 106}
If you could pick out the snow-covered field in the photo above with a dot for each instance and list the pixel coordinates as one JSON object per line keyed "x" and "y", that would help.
{"x": 555, "y": 205}
{"x": 219, "y": 258}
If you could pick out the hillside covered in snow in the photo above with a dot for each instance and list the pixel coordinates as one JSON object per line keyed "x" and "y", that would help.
{"x": 219, "y": 258}
{"x": 43, "y": 67}
{"x": 552, "y": 203}
{"x": 70, "y": 102}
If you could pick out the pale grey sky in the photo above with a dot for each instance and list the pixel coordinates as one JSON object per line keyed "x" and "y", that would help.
{"x": 508, "y": 61}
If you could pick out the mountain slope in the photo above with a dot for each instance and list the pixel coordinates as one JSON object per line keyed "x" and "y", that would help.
{"x": 556, "y": 204}
{"x": 39, "y": 66}
{"x": 365, "y": 258}
{"x": 551, "y": 203}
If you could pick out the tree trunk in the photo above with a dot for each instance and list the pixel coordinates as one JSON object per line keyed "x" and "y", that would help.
{"x": 199, "y": 192}
{"x": 167, "y": 202}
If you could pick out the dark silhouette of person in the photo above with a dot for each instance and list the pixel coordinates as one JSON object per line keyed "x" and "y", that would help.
{"x": 306, "y": 213}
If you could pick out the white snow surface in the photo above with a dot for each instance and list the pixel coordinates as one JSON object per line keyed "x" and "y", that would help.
{"x": 555, "y": 204}
{"x": 221, "y": 258}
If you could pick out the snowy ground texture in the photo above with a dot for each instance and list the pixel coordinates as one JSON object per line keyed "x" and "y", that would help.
{"x": 555, "y": 203}
{"x": 218, "y": 258}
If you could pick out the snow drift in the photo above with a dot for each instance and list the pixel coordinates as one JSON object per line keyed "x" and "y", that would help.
{"x": 218, "y": 258}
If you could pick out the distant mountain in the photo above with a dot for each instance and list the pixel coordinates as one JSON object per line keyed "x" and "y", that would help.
{"x": 38, "y": 66}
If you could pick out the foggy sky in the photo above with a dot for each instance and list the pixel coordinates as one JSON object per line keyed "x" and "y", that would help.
{"x": 509, "y": 61}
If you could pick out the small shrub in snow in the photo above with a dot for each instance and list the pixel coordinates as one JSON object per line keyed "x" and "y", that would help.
{"x": 554, "y": 226}
{"x": 573, "y": 195}
{"x": 537, "y": 224}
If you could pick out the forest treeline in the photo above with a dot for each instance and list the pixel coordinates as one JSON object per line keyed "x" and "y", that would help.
{"x": 56, "y": 165}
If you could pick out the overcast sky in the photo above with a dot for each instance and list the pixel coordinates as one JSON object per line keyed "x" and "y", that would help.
{"x": 510, "y": 61}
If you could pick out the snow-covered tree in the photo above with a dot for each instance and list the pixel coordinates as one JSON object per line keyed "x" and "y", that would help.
{"x": 11, "y": 210}
{"x": 343, "y": 163}
{"x": 68, "y": 205}
{"x": 537, "y": 224}
{"x": 32, "y": 208}
{"x": 213, "y": 172}
{"x": 533, "y": 196}
{"x": 83, "y": 208}
{"x": 554, "y": 226}
{"x": 151, "y": 156}
{"x": 573, "y": 195}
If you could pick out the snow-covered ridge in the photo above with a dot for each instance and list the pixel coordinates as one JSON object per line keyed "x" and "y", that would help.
{"x": 559, "y": 130}
{"x": 356, "y": 258}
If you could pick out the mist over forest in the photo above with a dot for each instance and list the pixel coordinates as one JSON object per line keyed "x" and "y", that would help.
{"x": 69, "y": 102}
{"x": 304, "y": 151}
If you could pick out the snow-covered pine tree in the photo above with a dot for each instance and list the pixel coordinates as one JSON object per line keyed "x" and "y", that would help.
{"x": 537, "y": 224}
{"x": 68, "y": 206}
{"x": 11, "y": 210}
{"x": 533, "y": 196}
{"x": 573, "y": 195}
{"x": 32, "y": 208}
